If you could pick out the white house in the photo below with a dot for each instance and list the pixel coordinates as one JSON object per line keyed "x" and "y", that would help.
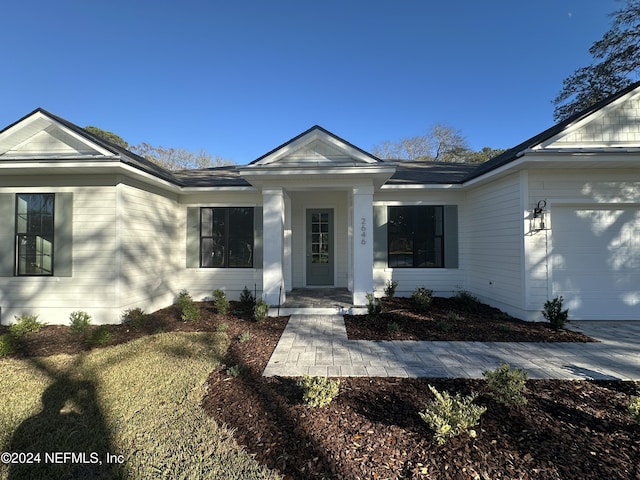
{"x": 86, "y": 225}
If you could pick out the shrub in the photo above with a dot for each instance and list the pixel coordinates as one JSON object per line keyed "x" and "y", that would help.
{"x": 554, "y": 314}
{"x": 454, "y": 316}
{"x": 318, "y": 391}
{"x": 374, "y": 305}
{"x": 189, "y": 311}
{"x": 99, "y": 336}
{"x": 135, "y": 317}
{"x": 507, "y": 385}
{"x": 467, "y": 302}
{"x": 634, "y": 408}
{"x": 390, "y": 288}
{"x": 25, "y": 324}
{"x": 236, "y": 370}
{"x": 247, "y": 299}
{"x": 260, "y": 310}
{"x": 450, "y": 416}
{"x": 220, "y": 301}
{"x": 222, "y": 327}
{"x": 7, "y": 344}
{"x": 245, "y": 337}
{"x": 422, "y": 298}
{"x": 79, "y": 322}
{"x": 393, "y": 327}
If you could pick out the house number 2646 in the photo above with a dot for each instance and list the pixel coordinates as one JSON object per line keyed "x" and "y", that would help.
{"x": 363, "y": 231}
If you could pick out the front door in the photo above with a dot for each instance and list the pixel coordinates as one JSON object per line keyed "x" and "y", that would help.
{"x": 320, "y": 247}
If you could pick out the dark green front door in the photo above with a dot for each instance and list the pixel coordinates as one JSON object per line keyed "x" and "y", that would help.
{"x": 320, "y": 247}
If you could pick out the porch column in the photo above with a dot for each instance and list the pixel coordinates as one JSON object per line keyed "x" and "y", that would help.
{"x": 273, "y": 233}
{"x": 362, "y": 245}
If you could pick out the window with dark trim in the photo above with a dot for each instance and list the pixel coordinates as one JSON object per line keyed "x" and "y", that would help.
{"x": 34, "y": 233}
{"x": 416, "y": 237}
{"x": 226, "y": 237}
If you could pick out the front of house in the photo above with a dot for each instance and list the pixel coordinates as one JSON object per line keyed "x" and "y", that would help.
{"x": 86, "y": 225}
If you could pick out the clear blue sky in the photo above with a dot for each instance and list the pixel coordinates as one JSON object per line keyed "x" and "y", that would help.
{"x": 239, "y": 77}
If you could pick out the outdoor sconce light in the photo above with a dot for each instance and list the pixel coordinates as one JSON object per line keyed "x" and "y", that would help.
{"x": 538, "y": 215}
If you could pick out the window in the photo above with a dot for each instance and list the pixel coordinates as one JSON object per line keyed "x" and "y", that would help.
{"x": 226, "y": 237}
{"x": 416, "y": 237}
{"x": 34, "y": 233}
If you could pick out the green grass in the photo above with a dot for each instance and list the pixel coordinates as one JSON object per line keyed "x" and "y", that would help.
{"x": 140, "y": 400}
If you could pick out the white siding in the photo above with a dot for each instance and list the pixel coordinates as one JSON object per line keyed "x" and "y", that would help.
{"x": 443, "y": 281}
{"x": 493, "y": 242}
{"x": 91, "y": 288}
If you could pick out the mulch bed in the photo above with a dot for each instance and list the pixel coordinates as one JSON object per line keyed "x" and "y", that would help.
{"x": 451, "y": 320}
{"x": 372, "y": 429}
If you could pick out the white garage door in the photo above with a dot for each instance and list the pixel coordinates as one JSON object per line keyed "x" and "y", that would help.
{"x": 596, "y": 262}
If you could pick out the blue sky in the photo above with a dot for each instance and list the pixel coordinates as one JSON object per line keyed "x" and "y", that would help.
{"x": 239, "y": 77}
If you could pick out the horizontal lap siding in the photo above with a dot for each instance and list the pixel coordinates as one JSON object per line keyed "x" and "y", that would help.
{"x": 91, "y": 288}
{"x": 149, "y": 231}
{"x": 493, "y": 242}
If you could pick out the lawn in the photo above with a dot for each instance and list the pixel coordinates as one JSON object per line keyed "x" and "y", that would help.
{"x": 138, "y": 401}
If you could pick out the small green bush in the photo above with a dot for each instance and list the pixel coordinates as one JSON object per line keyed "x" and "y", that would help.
{"x": 450, "y": 416}
{"x": 374, "y": 305}
{"x": 135, "y": 318}
{"x": 99, "y": 336}
{"x": 507, "y": 384}
{"x": 454, "y": 317}
{"x": 393, "y": 327}
{"x": 634, "y": 409}
{"x": 7, "y": 344}
{"x": 260, "y": 310}
{"x": 467, "y": 302}
{"x": 554, "y": 314}
{"x": 236, "y": 370}
{"x": 222, "y": 327}
{"x": 189, "y": 310}
{"x": 25, "y": 324}
{"x": 247, "y": 299}
{"x": 245, "y": 337}
{"x": 220, "y": 301}
{"x": 318, "y": 391}
{"x": 422, "y": 298}
{"x": 390, "y": 288}
{"x": 79, "y": 322}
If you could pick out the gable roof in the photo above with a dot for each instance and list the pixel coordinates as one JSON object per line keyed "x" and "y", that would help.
{"x": 517, "y": 151}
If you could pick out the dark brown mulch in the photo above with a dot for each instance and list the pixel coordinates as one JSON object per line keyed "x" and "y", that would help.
{"x": 372, "y": 430}
{"x": 450, "y": 320}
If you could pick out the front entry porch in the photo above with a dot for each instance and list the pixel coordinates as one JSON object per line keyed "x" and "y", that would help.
{"x": 332, "y": 301}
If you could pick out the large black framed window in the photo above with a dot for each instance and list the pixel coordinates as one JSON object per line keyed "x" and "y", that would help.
{"x": 34, "y": 227}
{"x": 226, "y": 237}
{"x": 415, "y": 237}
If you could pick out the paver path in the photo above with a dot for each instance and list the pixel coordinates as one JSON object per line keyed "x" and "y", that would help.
{"x": 318, "y": 345}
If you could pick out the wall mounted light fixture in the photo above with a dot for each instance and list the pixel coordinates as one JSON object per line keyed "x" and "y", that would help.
{"x": 538, "y": 215}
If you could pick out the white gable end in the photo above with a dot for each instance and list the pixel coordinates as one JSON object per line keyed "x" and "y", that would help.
{"x": 316, "y": 152}
{"x": 616, "y": 125}
{"x": 39, "y": 136}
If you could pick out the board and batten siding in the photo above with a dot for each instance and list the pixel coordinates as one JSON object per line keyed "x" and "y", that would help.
{"x": 493, "y": 242}
{"x": 88, "y": 284}
{"x": 442, "y": 281}
{"x": 598, "y": 188}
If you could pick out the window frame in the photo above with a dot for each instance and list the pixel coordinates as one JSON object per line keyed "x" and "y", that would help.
{"x": 420, "y": 237}
{"x": 228, "y": 237}
{"x": 34, "y": 235}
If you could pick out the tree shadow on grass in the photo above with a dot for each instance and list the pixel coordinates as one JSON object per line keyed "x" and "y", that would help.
{"x": 68, "y": 437}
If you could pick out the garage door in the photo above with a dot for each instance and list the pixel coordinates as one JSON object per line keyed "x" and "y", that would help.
{"x": 596, "y": 262}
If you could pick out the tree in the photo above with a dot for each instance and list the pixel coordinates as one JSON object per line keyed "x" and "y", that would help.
{"x": 441, "y": 143}
{"x": 481, "y": 156}
{"x": 178, "y": 158}
{"x": 616, "y": 65}
{"x": 108, "y": 136}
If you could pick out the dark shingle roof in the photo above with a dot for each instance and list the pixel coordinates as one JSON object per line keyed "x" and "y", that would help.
{"x": 422, "y": 172}
{"x": 227, "y": 176}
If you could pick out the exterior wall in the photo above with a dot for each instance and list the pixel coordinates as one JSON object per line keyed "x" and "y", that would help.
{"x": 443, "y": 281}
{"x": 148, "y": 232}
{"x": 568, "y": 187}
{"x": 493, "y": 243}
{"x": 300, "y": 202}
{"x": 201, "y": 282}
{"x": 92, "y": 286}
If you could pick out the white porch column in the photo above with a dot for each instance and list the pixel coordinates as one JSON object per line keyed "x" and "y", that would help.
{"x": 273, "y": 232}
{"x": 362, "y": 245}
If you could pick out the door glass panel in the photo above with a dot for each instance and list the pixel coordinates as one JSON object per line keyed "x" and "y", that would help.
{"x": 320, "y": 238}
